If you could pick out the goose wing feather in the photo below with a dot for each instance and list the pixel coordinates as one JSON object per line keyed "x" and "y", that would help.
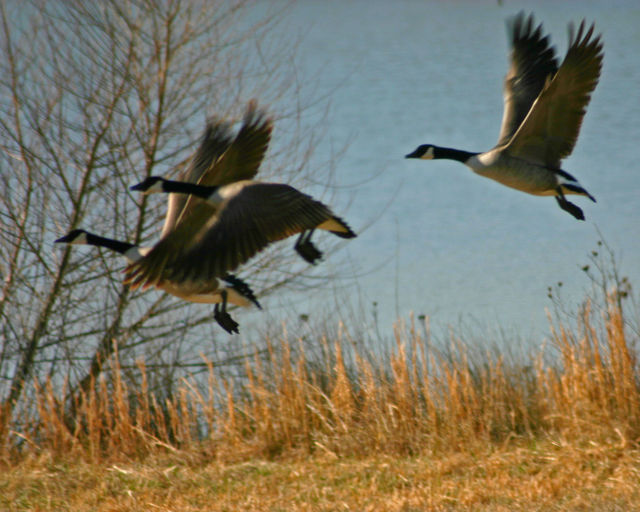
{"x": 240, "y": 159}
{"x": 215, "y": 141}
{"x": 532, "y": 60}
{"x": 261, "y": 213}
{"x": 550, "y": 129}
{"x": 150, "y": 270}
{"x": 243, "y": 157}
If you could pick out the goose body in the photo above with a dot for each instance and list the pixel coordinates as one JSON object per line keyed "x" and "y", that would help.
{"x": 544, "y": 105}
{"x": 220, "y": 158}
{"x": 249, "y": 216}
{"x": 227, "y": 289}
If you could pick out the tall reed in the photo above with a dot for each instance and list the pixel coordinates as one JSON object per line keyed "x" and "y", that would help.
{"x": 583, "y": 386}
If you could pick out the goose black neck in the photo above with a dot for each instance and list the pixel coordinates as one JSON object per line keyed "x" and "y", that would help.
{"x": 109, "y": 243}
{"x": 182, "y": 187}
{"x": 452, "y": 154}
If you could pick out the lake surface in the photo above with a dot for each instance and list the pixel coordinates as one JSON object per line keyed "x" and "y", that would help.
{"x": 444, "y": 242}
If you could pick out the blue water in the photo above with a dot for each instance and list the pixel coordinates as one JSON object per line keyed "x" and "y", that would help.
{"x": 441, "y": 241}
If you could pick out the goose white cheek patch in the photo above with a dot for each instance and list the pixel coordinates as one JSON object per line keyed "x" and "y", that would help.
{"x": 156, "y": 188}
{"x": 428, "y": 155}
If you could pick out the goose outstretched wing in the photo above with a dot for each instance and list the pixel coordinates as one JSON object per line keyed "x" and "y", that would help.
{"x": 259, "y": 214}
{"x": 550, "y": 129}
{"x": 239, "y": 161}
{"x": 215, "y": 141}
{"x": 532, "y": 61}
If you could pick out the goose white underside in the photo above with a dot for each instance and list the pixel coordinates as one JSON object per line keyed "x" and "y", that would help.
{"x": 567, "y": 185}
{"x": 211, "y": 297}
{"x": 524, "y": 176}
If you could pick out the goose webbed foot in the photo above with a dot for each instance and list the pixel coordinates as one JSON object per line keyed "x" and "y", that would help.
{"x": 305, "y": 248}
{"x": 224, "y": 319}
{"x": 569, "y": 207}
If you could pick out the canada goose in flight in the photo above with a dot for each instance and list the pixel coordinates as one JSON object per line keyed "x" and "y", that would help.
{"x": 220, "y": 158}
{"x": 249, "y": 216}
{"x": 213, "y": 291}
{"x": 543, "y": 109}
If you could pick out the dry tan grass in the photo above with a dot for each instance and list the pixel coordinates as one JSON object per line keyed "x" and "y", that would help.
{"x": 523, "y": 476}
{"x": 348, "y": 431}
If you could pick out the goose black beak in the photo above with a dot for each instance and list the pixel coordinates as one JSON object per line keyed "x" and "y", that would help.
{"x": 63, "y": 240}
{"x": 413, "y": 154}
{"x": 137, "y": 186}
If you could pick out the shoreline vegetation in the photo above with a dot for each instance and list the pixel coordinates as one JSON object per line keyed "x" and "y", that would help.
{"x": 348, "y": 429}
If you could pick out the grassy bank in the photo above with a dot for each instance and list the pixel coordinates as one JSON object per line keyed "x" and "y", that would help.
{"x": 525, "y": 476}
{"x": 448, "y": 428}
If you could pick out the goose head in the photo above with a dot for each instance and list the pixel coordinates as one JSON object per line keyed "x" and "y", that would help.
{"x": 151, "y": 185}
{"x": 76, "y": 237}
{"x": 424, "y": 151}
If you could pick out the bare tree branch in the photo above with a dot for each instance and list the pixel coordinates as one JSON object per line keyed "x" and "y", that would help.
{"x": 95, "y": 96}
